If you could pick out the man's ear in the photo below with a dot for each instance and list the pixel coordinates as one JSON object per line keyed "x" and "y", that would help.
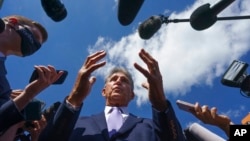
{"x": 133, "y": 95}
{"x": 103, "y": 91}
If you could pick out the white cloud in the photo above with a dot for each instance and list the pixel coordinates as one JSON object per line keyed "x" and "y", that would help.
{"x": 232, "y": 113}
{"x": 186, "y": 57}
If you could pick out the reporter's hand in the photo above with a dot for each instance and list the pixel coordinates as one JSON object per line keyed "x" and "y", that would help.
{"x": 84, "y": 81}
{"x": 15, "y": 93}
{"x": 35, "y": 131}
{"x": 47, "y": 76}
{"x": 154, "y": 82}
{"x": 210, "y": 116}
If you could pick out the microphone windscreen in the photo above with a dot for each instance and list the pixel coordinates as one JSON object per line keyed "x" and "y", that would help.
{"x": 205, "y": 16}
{"x": 149, "y": 27}
{"x": 55, "y": 9}
{"x": 196, "y": 132}
{"x": 1, "y": 3}
{"x": 127, "y": 10}
{"x": 202, "y": 18}
{"x": 2, "y": 25}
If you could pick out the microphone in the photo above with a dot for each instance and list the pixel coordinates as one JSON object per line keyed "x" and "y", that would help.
{"x": 204, "y": 16}
{"x": 150, "y": 26}
{"x": 1, "y": 3}
{"x": 54, "y": 9}
{"x": 2, "y": 25}
{"x": 127, "y": 10}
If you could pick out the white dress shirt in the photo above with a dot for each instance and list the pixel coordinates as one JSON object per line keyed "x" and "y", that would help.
{"x": 124, "y": 111}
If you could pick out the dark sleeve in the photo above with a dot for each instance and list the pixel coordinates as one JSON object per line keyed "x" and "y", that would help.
{"x": 9, "y": 115}
{"x": 167, "y": 125}
{"x": 61, "y": 124}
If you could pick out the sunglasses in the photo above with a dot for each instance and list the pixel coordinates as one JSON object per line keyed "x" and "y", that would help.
{"x": 29, "y": 43}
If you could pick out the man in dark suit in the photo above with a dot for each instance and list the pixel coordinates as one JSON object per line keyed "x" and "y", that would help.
{"x": 118, "y": 92}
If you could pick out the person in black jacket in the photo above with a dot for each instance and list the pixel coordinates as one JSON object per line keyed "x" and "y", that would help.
{"x": 21, "y": 37}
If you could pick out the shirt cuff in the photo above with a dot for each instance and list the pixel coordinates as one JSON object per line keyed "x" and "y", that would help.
{"x": 72, "y": 107}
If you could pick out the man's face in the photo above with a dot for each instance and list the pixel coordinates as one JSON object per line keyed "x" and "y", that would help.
{"x": 118, "y": 90}
{"x": 27, "y": 37}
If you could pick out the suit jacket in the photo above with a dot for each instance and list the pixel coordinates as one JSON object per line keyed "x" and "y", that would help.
{"x": 9, "y": 114}
{"x": 164, "y": 126}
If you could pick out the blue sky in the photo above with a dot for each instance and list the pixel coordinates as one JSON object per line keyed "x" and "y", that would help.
{"x": 192, "y": 62}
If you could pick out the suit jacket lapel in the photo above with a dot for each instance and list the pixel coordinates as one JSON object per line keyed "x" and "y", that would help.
{"x": 100, "y": 120}
{"x": 129, "y": 124}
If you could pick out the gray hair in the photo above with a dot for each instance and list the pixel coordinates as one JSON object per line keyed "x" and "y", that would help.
{"x": 122, "y": 70}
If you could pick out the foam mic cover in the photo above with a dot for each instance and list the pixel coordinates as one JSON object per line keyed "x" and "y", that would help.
{"x": 127, "y": 10}
{"x": 55, "y": 9}
{"x": 2, "y": 25}
{"x": 204, "y": 16}
{"x": 149, "y": 27}
{"x": 196, "y": 132}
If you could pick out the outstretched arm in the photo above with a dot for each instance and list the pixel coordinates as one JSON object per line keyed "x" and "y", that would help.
{"x": 47, "y": 76}
{"x": 154, "y": 82}
{"x": 84, "y": 80}
{"x": 167, "y": 125}
{"x": 63, "y": 120}
{"x": 12, "y": 108}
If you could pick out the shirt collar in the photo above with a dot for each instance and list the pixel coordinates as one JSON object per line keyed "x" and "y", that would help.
{"x": 107, "y": 110}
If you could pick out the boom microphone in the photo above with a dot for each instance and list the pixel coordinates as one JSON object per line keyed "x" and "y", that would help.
{"x": 127, "y": 10}
{"x": 55, "y": 9}
{"x": 204, "y": 16}
{"x": 150, "y": 26}
{"x": 1, "y": 3}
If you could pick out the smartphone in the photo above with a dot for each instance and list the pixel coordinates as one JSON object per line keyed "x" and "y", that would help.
{"x": 60, "y": 80}
{"x": 183, "y": 105}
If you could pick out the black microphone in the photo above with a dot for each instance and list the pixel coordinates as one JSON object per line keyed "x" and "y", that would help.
{"x": 2, "y": 25}
{"x": 150, "y": 26}
{"x": 127, "y": 10}
{"x": 204, "y": 16}
{"x": 55, "y": 9}
{"x": 1, "y": 3}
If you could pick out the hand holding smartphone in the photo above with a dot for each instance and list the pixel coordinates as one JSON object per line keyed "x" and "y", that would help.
{"x": 60, "y": 80}
{"x": 183, "y": 105}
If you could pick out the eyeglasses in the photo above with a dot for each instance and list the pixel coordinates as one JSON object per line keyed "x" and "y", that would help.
{"x": 29, "y": 44}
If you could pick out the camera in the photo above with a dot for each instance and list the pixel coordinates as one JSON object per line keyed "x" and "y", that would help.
{"x": 33, "y": 111}
{"x": 50, "y": 112}
{"x": 55, "y": 9}
{"x": 237, "y": 76}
